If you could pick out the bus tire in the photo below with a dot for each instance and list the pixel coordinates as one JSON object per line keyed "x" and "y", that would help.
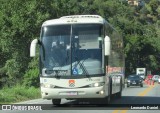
{"x": 56, "y": 101}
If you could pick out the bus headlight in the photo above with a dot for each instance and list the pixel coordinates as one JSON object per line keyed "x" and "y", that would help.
{"x": 47, "y": 85}
{"x": 98, "y": 84}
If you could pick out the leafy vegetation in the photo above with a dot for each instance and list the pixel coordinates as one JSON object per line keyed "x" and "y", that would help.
{"x": 18, "y": 93}
{"x": 21, "y": 21}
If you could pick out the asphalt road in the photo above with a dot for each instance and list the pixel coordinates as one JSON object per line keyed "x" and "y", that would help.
{"x": 145, "y": 97}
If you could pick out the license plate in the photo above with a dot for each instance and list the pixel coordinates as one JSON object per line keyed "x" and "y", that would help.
{"x": 72, "y": 93}
{"x": 134, "y": 83}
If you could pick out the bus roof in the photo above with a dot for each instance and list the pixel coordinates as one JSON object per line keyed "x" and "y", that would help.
{"x": 75, "y": 19}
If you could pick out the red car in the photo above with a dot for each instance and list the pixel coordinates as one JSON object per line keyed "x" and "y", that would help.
{"x": 150, "y": 76}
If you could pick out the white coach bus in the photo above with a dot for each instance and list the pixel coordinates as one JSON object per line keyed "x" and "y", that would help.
{"x": 81, "y": 57}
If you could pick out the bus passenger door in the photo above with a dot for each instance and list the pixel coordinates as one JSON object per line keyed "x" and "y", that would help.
{"x": 118, "y": 80}
{"x": 113, "y": 84}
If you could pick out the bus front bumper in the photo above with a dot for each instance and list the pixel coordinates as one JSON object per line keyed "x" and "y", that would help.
{"x": 53, "y": 93}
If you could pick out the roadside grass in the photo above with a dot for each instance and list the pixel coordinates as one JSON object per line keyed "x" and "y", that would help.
{"x": 18, "y": 93}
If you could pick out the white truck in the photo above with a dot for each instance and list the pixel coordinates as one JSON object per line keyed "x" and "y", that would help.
{"x": 141, "y": 72}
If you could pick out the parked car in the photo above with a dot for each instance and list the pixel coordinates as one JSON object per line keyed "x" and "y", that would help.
{"x": 155, "y": 78}
{"x": 134, "y": 80}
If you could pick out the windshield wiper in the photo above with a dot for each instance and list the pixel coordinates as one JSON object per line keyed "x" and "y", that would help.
{"x": 81, "y": 64}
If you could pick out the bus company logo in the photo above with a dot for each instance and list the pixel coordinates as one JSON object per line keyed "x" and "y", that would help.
{"x": 71, "y": 83}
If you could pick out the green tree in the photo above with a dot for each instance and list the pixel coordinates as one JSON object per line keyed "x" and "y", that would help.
{"x": 21, "y": 22}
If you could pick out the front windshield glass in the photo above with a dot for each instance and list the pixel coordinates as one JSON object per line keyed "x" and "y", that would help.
{"x": 87, "y": 46}
{"x": 69, "y": 50}
{"x": 56, "y": 42}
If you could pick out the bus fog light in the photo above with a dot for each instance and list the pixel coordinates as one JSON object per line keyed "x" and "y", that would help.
{"x": 101, "y": 92}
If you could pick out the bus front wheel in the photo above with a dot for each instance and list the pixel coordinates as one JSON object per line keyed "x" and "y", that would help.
{"x": 56, "y": 101}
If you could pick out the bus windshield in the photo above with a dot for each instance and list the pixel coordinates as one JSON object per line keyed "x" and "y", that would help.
{"x": 71, "y": 50}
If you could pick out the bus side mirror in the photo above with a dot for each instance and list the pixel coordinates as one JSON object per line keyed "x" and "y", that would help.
{"x": 33, "y": 48}
{"x": 107, "y": 43}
